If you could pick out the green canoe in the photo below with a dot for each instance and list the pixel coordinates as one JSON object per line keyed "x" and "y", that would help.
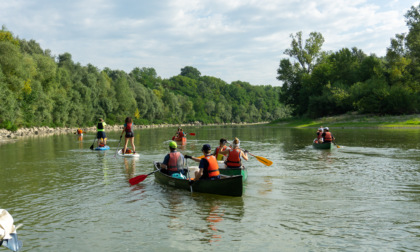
{"x": 233, "y": 171}
{"x": 323, "y": 146}
{"x": 226, "y": 185}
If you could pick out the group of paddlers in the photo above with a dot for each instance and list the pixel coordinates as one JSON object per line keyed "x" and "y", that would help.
{"x": 323, "y": 135}
{"x": 173, "y": 163}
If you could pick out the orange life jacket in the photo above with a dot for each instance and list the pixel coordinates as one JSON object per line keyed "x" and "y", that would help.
{"x": 327, "y": 137}
{"x": 234, "y": 158}
{"x": 79, "y": 131}
{"x": 213, "y": 168}
{"x": 217, "y": 152}
{"x": 173, "y": 161}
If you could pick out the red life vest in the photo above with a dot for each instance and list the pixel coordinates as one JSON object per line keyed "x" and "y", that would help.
{"x": 173, "y": 161}
{"x": 234, "y": 158}
{"x": 327, "y": 137}
{"x": 181, "y": 134}
{"x": 213, "y": 168}
{"x": 217, "y": 151}
{"x": 128, "y": 127}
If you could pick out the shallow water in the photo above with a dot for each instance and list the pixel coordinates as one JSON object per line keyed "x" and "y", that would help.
{"x": 364, "y": 196}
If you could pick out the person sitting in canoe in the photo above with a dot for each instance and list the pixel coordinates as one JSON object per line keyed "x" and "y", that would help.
{"x": 221, "y": 147}
{"x": 101, "y": 136}
{"x": 327, "y": 136}
{"x": 208, "y": 167}
{"x": 174, "y": 161}
{"x": 235, "y": 155}
{"x": 129, "y": 135}
{"x": 318, "y": 138}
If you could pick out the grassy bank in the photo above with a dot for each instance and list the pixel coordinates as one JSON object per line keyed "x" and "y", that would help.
{"x": 354, "y": 120}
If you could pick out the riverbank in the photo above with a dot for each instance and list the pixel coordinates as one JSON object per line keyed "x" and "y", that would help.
{"x": 354, "y": 121}
{"x": 6, "y": 136}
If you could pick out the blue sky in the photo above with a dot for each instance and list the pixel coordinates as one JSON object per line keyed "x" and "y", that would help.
{"x": 228, "y": 39}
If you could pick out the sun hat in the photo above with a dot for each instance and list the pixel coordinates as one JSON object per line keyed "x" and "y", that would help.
{"x": 173, "y": 145}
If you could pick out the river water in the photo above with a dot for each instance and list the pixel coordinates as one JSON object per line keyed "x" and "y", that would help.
{"x": 363, "y": 196}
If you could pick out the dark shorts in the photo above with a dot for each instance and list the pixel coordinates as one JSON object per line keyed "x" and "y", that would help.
{"x": 129, "y": 134}
{"x": 101, "y": 134}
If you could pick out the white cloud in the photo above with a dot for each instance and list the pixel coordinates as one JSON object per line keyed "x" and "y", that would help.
{"x": 229, "y": 39}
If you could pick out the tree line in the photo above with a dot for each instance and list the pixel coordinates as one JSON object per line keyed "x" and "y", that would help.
{"x": 317, "y": 83}
{"x": 39, "y": 89}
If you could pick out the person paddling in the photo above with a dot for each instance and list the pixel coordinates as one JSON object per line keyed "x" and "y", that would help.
{"x": 208, "y": 167}
{"x": 328, "y": 137}
{"x": 174, "y": 161}
{"x": 101, "y": 136}
{"x": 129, "y": 135}
{"x": 222, "y": 147}
{"x": 235, "y": 155}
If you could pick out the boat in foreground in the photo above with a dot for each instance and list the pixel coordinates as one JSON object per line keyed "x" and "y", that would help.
{"x": 226, "y": 185}
{"x": 322, "y": 146}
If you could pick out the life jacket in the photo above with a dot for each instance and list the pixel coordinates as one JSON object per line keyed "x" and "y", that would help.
{"x": 100, "y": 126}
{"x": 328, "y": 137}
{"x": 181, "y": 134}
{"x": 173, "y": 161}
{"x": 79, "y": 131}
{"x": 234, "y": 158}
{"x": 213, "y": 168}
{"x": 220, "y": 156}
{"x": 319, "y": 135}
{"x": 101, "y": 144}
{"x": 128, "y": 127}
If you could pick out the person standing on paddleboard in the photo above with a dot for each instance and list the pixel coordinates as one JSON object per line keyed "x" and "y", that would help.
{"x": 101, "y": 136}
{"x": 129, "y": 135}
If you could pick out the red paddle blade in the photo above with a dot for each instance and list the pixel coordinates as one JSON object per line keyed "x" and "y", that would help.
{"x": 192, "y": 134}
{"x": 138, "y": 179}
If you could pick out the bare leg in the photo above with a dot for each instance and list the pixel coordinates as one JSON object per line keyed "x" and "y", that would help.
{"x": 132, "y": 144}
{"x": 125, "y": 145}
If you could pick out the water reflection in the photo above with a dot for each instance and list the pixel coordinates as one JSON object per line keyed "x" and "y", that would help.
{"x": 215, "y": 211}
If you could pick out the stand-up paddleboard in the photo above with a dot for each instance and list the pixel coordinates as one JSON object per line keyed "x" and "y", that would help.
{"x": 128, "y": 154}
{"x": 106, "y": 147}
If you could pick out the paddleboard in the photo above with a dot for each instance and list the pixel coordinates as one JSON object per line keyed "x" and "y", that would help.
{"x": 128, "y": 155}
{"x": 106, "y": 147}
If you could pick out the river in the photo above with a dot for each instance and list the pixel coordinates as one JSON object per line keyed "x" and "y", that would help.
{"x": 363, "y": 196}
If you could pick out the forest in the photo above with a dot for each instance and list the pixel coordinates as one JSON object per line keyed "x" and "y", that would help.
{"x": 317, "y": 83}
{"x": 39, "y": 89}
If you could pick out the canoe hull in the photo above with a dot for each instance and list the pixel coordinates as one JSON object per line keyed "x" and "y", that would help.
{"x": 323, "y": 146}
{"x": 181, "y": 141}
{"x": 227, "y": 185}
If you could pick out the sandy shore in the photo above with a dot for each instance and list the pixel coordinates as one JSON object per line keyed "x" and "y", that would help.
{"x": 7, "y": 136}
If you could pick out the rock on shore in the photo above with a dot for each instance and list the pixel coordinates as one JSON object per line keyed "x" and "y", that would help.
{"x": 6, "y": 135}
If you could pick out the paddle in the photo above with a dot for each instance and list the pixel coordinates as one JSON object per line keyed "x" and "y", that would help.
{"x": 140, "y": 178}
{"x": 189, "y": 176}
{"x": 118, "y": 147}
{"x": 191, "y": 134}
{"x": 262, "y": 159}
{"x": 336, "y": 144}
{"x": 91, "y": 147}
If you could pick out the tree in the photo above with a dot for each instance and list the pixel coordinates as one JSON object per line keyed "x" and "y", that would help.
{"x": 307, "y": 54}
{"x": 190, "y": 72}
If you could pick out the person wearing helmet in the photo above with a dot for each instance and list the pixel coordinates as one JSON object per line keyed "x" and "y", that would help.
{"x": 327, "y": 136}
{"x": 208, "y": 167}
{"x": 173, "y": 161}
